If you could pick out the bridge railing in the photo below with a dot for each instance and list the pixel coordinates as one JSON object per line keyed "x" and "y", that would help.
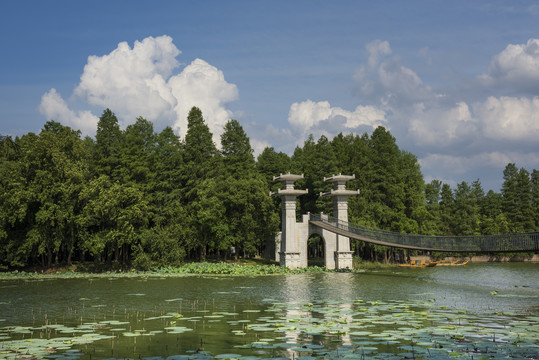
{"x": 518, "y": 242}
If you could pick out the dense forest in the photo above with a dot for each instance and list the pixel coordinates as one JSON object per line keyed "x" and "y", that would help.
{"x": 137, "y": 198}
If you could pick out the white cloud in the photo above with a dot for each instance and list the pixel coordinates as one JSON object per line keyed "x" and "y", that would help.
{"x": 140, "y": 81}
{"x": 377, "y": 49}
{"x": 204, "y": 86}
{"x": 259, "y": 146}
{"x": 53, "y": 107}
{"x": 516, "y": 66}
{"x": 386, "y": 81}
{"x": 132, "y": 81}
{"x": 308, "y": 115}
{"x": 440, "y": 126}
{"x": 509, "y": 118}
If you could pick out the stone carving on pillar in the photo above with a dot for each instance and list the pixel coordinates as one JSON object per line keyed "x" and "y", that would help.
{"x": 339, "y": 194}
{"x": 290, "y": 252}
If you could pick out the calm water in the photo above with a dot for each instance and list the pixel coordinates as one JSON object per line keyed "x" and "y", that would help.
{"x": 308, "y": 316}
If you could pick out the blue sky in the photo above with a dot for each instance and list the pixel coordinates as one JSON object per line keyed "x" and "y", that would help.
{"x": 456, "y": 82}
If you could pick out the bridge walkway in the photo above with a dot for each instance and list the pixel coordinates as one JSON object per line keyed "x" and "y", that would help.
{"x": 518, "y": 242}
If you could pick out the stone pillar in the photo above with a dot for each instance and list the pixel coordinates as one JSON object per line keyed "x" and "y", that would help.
{"x": 339, "y": 194}
{"x": 290, "y": 252}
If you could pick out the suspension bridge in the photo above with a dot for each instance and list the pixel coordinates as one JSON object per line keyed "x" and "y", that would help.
{"x": 519, "y": 242}
{"x": 336, "y": 231}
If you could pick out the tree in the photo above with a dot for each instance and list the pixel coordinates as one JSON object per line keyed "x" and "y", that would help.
{"x": 13, "y": 203}
{"x": 57, "y": 171}
{"x": 249, "y": 213}
{"x": 202, "y": 164}
{"x": 138, "y": 154}
{"x": 517, "y": 202}
{"x": 494, "y": 220}
{"x": 447, "y": 208}
{"x": 525, "y": 218}
{"x": 113, "y": 216}
{"x": 315, "y": 161}
{"x": 535, "y": 197}
{"x": 414, "y": 194}
{"x": 236, "y": 149}
{"x": 385, "y": 190}
{"x": 432, "y": 197}
{"x": 108, "y": 146}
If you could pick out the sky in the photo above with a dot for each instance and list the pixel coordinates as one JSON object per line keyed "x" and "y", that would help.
{"x": 455, "y": 82}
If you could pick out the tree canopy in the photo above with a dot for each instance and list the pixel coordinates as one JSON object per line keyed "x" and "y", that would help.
{"x": 139, "y": 198}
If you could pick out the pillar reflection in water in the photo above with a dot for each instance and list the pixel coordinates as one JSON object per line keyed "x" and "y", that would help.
{"x": 297, "y": 292}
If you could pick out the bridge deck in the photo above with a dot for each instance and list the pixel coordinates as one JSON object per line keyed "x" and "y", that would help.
{"x": 519, "y": 242}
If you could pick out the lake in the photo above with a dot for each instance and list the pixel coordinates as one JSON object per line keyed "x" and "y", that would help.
{"x": 474, "y": 311}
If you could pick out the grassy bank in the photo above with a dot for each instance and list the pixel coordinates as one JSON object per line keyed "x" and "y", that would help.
{"x": 248, "y": 267}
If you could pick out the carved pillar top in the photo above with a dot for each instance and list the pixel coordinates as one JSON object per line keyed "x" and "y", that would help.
{"x": 288, "y": 185}
{"x": 339, "y": 188}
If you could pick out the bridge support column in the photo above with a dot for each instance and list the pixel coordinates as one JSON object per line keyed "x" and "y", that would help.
{"x": 339, "y": 194}
{"x": 289, "y": 255}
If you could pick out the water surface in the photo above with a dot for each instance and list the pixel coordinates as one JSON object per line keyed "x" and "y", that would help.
{"x": 439, "y": 312}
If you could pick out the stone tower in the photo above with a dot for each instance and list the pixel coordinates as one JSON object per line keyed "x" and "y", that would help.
{"x": 339, "y": 194}
{"x": 289, "y": 255}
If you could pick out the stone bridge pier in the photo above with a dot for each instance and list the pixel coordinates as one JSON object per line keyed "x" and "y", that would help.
{"x": 291, "y": 249}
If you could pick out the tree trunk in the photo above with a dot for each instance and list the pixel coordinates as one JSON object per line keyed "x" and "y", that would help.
{"x": 117, "y": 253}
{"x": 71, "y": 245}
{"x": 49, "y": 257}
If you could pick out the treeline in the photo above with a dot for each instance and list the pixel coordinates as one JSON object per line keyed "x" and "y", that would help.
{"x": 139, "y": 198}
{"x": 395, "y": 197}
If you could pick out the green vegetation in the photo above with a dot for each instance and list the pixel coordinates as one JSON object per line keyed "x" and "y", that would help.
{"x": 242, "y": 268}
{"x": 136, "y": 198}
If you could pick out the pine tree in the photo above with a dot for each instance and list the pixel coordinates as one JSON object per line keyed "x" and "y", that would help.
{"x": 236, "y": 149}
{"x": 108, "y": 146}
{"x": 202, "y": 165}
{"x": 138, "y": 154}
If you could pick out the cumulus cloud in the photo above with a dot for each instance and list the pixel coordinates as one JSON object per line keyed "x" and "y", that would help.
{"x": 132, "y": 81}
{"x": 308, "y": 116}
{"x": 516, "y": 66}
{"x": 53, "y": 107}
{"x": 441, "y": 126}
{"x": 450, "y": 132}
{"x": 144, "y": 81}
{"x": 204, "y": 86}
{"x": 509, "y": 118}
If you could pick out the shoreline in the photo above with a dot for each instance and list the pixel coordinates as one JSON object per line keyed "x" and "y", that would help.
{"x": 480, "y": 258}
{"x": 232, "y": 269}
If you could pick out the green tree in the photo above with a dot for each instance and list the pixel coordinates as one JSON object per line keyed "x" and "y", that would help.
{"x": 238, "y": 159}
{"x": 432, "y": 197}
{"x": 447, "y": 209}
{"x": 525, "y": 218}
{"x": 384, "y": 191}
{"x": 14, "y": 204}
{"x": 56, "y": 174}
{"x": 517, "y": 198}
{"x": 113, "y": 216}
{"x": 138, "y": 154}
{"x": 464, "y": 215}
{"x": 535, "y": 197}
{"x": 164, "y": 242}
{"x": 108, "y": 146}
{"x": 494, "y": 220}
{"x": 202, "y": 165}
{"x": 315, "y": 161}
{"x": 249, "y": 214}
